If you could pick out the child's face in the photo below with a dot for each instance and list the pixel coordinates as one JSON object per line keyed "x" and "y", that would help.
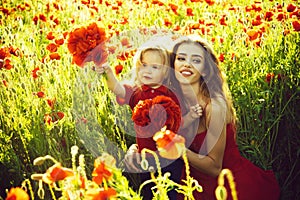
{"x": 152, "y": 71}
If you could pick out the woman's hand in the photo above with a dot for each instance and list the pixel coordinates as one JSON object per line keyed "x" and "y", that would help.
{"x": 196, "y": 111}
{"x": 132, "y": 159}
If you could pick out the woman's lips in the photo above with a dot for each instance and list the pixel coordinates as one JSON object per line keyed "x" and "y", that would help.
{"x": 186, "y": 72}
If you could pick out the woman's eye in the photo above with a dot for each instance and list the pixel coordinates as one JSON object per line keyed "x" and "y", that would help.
{"x": 180, "y": 58}
{"x": 196, "y": 60}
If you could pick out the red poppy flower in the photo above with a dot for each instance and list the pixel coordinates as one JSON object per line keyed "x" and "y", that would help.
{"x": 4, "y": 58}
{"x": 17, "y": 194}
{"x": 296, "y": 25}
{"x": 57, "y": 173}
{"x": 167, "y": 22}
{"x": 280, "y": 16}
{"x": 100, "y": 172}
{"x": 125, "y": 21}
{"x": 169, "y": 144}
{"x": 40, "y": 94}
{"x": 57, "y": 116}
{"x": 54, "y": 56}
{"x": 56, "y": 21}
{"x": 256, "y": 22}
{"x": 176, "y": 28}
{"x": 51, "y": 103}
{"x": 286, "y": 32}
{"x": 268, "y": 16}
{"x": 5, "y": 83}
{"x": 253, "y": 34}
{"x": 173, "y": 8}
{"x": 42, "y": 17}
{"x": 5, "y": 64}
{"x": 223, "y": 21}
{"x": 51, "y": 47}
{"x": 14, "y": 51}
{"x": 210, "y": 2}
{"x": 269, "y": 77}
{"x": 189, "y": 12}
{"x": 100, "y": 194}
{"x": 34, "y": 72}
{"x": 87, "y": 44}
{"x": 256, "y": 7}
{"x": 59, "y": 41}
{"x": 157, "y": 2}
{"x": 50, "y": 36}
{"x": 35, "y": 20}
{"x": 125, "y": 55}
{"x": 118, "y": 69}
{"x": 150, "y": 115}
{"x": 291, "y": 7}
{"x": 221, "y": 57}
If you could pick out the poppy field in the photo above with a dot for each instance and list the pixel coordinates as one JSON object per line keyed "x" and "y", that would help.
{"x": 54, "y": 107}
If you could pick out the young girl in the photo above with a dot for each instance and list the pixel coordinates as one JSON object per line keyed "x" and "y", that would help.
{"x": 152, "y": 77}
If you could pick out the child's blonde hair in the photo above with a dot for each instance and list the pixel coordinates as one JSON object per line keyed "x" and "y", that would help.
{"x": 163, "y": 53}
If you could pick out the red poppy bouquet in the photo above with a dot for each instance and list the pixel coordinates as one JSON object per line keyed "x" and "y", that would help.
{"x": 159, "y": 119}
{"x": 150, "y": 115}
{"x": 88, "y": 44}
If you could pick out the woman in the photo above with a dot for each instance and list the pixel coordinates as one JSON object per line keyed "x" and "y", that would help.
{"x": 211, "y": 141}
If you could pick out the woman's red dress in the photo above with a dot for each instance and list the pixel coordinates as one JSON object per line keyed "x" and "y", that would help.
{"x": 252, "y": 182}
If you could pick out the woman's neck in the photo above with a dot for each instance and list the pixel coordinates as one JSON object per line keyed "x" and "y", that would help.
{"x": 191, "y": 93}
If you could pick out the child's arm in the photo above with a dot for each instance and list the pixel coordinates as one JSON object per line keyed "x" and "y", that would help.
{"x": 112, "y": 82}
{"x": 194, "y": 113}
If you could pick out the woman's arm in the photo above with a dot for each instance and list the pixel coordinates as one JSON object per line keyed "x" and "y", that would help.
{"x": 112, "y": 82}
{"x": 210, "y": 157}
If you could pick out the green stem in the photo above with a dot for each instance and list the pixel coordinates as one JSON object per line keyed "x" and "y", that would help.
{"x": 52, "y": 193}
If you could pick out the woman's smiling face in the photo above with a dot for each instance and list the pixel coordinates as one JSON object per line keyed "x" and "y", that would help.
{"x": 189, "y": 63}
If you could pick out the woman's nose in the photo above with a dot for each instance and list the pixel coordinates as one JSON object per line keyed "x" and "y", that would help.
{"x": 187, "y": 63}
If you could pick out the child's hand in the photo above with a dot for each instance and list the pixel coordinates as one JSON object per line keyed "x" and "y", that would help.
{"x": 102, "y": 69}
{"x": 196, "y": 111}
